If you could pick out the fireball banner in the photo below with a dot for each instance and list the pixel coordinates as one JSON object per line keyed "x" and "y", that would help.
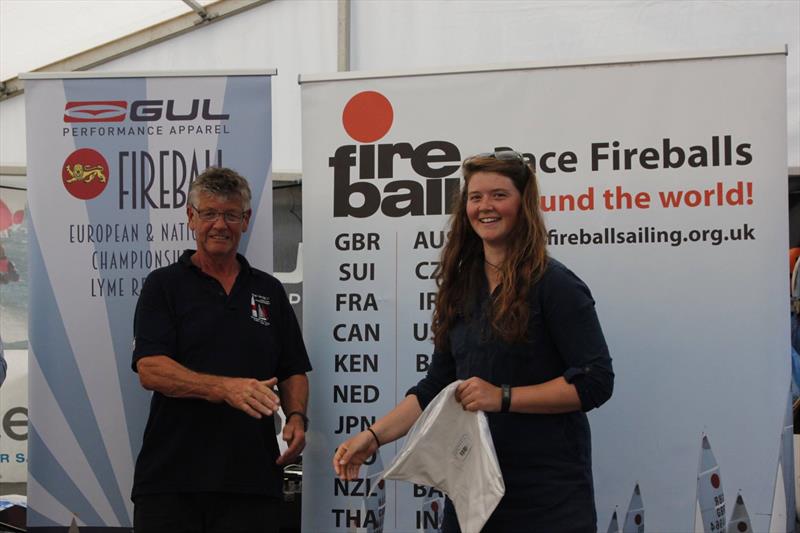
{"x": 664, "y": 187}
{"x": 110, "y": 161}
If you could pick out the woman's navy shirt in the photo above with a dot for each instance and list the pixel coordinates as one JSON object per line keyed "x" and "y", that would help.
{"x": 545, "y": 458}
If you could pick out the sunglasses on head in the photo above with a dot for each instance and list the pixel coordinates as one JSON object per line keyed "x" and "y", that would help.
{"x": 503, "y": 154}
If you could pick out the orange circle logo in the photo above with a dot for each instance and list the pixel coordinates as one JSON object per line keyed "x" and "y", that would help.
{"x": 367, "y": 116}
{"x": 85, "y": 173}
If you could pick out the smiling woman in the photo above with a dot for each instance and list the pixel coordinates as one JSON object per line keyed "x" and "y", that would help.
{"x": 520, "y": 330}
{"x": 492, "y": 207}
{"x": 507, "y": 241}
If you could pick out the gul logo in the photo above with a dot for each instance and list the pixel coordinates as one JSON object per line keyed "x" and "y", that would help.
{"x": 140, "y": 111}
{"x": 367, "y": 117}
{"x": 107, "y": 111}
{"x": 85, "y": 173}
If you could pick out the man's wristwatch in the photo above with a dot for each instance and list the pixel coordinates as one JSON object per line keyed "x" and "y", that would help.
{"x": 301, "y": 415}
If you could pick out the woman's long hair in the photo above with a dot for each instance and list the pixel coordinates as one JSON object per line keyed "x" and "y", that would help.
{"x": 461, "y": 263}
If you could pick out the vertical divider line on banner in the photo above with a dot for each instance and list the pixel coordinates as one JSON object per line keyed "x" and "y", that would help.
{"x": 396, "y": 353}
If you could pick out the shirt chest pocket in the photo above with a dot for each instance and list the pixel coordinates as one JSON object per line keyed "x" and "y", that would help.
{"x": 197, "y": 329}
{"x": 259, "y": 341}
{"x": 474, "y": 354}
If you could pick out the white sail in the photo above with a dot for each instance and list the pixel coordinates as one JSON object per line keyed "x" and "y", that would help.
{"x": 740, "y": 520}
{"x": 787, "y": 462}
{"x": 698, "y": 518}
{"x": 613, "y": 526}
{"x": 784, "y": 507}
{"x": 710, "y": 507}
{"x": 634, "y": 519}
{"x": 777, "y": 522}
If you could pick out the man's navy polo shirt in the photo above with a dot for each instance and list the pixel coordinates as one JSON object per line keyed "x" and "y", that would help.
{"x": 192, "y": 445}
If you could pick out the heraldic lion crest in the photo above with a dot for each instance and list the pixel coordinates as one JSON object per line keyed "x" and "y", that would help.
{"x": 86, "y": 174}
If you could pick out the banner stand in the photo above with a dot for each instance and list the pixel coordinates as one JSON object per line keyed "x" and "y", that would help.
{"x": 110, "y": 160}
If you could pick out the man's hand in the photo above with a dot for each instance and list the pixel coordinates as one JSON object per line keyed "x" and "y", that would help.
{"x": 165, "y": 375}
{"x": 254, "y": 397}
{"x": 295, "y": 437}
{"x": 294, "y": 393}
{"x": 476, "y": 394}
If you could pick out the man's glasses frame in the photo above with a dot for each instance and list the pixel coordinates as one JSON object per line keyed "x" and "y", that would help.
{"x": 210, "y": 215}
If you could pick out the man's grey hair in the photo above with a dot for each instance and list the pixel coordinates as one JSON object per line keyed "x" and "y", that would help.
{"x": 220, "y": 182}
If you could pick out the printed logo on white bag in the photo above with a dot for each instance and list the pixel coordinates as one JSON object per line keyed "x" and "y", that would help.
{"x": 464, "y": 446}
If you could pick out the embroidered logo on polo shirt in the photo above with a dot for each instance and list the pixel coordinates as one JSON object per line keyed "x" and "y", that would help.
{"x": 259, "y": 308}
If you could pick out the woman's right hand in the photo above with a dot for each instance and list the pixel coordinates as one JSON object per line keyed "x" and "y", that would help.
{"x": 352, "y": 453}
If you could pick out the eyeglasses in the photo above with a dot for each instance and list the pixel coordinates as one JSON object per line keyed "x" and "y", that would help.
{"x": 231, "y": 217}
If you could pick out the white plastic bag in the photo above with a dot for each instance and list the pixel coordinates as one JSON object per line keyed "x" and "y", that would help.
{"x": 452, "y": 450}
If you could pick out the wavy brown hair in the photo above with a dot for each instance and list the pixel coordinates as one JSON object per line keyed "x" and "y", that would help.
{"x": 461, "y": 263}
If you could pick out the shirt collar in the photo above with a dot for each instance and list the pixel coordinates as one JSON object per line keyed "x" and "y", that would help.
{"x": 186, "y": 260}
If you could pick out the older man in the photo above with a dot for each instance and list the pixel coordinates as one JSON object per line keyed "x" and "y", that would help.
{"x": 213, "y": 336}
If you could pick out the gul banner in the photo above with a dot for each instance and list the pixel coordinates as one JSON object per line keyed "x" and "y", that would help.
{"x": 664, "y": 187}
{"x": 110, "y": 161}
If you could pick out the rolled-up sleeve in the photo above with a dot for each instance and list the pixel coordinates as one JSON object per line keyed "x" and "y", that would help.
{"x": 569, "y": 311}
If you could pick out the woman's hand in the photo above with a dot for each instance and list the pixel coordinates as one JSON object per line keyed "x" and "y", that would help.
{"x": 352, "y": 453}
{"x": 475, "y": 394}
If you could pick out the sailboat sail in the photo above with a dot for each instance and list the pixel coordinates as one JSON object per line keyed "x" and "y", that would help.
{"x": 613, "y": 526}
{"x": 634, "y": 520}
{"x": 710, "y": 505}
{"x": 789, "y": 466}
{"x": 740, "y": 520}
{"x": 783, "y": 502}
